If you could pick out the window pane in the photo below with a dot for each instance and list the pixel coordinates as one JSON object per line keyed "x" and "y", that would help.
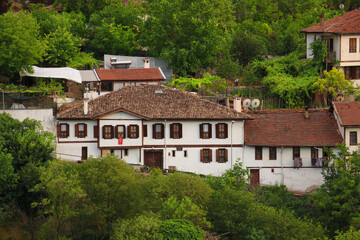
{"x": 81, "y": 127}
{"x": 158, "y": 128}
{"x": 206, "y": 128}
{"x": 63, "y": 127}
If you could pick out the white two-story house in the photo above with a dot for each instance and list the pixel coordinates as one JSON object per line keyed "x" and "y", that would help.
{"x": 287, "y": 146}
{"x": 156, "y": 126}
{"x": 342, "y": 36}
{"x": 348, "y": 118}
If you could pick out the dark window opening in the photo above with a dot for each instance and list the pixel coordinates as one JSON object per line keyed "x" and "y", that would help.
{"x": 272, "y": 153}
{"x": 258, "y": 153}
{"x": 353, "y": 138}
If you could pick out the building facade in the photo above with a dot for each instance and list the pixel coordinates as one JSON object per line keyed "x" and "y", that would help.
{"x": 154, "y": 126}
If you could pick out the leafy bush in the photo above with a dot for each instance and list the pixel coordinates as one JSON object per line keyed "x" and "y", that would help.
{"x": 352, "y": 234}
{"x": 143, "y": 227}
{"x": 178, "y": 229}
{"x": 184, "y": 209}
{"x": 237, "y": 212}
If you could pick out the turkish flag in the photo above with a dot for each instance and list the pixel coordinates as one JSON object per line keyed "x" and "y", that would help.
{"x": 120, "y": 140}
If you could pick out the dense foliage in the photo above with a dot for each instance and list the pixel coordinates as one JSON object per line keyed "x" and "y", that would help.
{"x": 103, "y": 198}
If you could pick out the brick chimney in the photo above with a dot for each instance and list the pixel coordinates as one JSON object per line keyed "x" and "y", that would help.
{"x": 321, "y": 20}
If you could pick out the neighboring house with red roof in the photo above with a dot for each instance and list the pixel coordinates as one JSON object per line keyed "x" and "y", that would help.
{"x": 342, "y": 36}
{"x": 114, "y": 79}
{"x": 156, "y": 126}
{"x": 287, "y": 146}
{"x": 348, "y": 117}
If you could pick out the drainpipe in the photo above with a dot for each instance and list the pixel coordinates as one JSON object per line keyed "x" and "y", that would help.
{"x": 232, "y": 123}
{"x": 165, "y": 145}
{"x": 282, "y": 166}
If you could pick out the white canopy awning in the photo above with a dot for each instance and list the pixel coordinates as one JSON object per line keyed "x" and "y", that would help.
{"x": 62, "y": 72}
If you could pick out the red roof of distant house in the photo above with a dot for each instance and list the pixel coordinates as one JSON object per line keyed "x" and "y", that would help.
{"x": 136, "y": 74}
{"x": 346, "y": 23}
{"x": 290, "y": 128}
{"x": 348, "y": 113}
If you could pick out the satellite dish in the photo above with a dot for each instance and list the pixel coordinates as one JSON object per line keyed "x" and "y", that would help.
{"x": 255, "y": 103}
{"x": 341, "y": 6}
{"x": 247, "y": 103}
{"x": 340, "y": 98}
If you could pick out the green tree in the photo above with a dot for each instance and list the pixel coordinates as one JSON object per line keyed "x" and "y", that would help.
{"x": 237, "y": 213}
{"x": 177, "y": 229}
{"x": 143, "y": 227}
{"x": 64, "y": 50}
{"x": 189, "y": 35}
{"x": 338, "y": 198}
{"x": 20, "y": 46}
{"x": 333, "y": 84}
{"x": 110, "y": 185}
{"x": 184, "y": 209}
{"x": 64, "y": 196}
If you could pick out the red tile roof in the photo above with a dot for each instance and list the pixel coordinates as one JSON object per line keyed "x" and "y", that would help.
{"x": 153, "y": 102}
{"x": 136, "y": 74}
{"x": 346, "y": 23}
{"x": 348, "y": 113}
{"x": 290, "y": 128}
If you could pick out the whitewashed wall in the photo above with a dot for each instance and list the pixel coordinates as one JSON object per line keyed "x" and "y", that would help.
{"x": 45, "y": 116}
{"x": 347, "y": 137}
{"x": 297, "y": 179}
{"x": 120, "y": 118}
{"x": 72, "y": 151}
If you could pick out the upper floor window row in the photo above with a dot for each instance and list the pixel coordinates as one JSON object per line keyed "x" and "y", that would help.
{"x": 221, "y": 130}
{"x": 64, "y": 130}
{"x": 120, "y": 131}
{"x": 175, "y": 130}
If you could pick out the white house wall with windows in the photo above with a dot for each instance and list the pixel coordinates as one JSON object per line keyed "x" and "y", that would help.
{"x": 348, "y": 118}
{"x": 342, "y": 37}
{"x": 287, "y": 147}
{"x": 155, "y": 126}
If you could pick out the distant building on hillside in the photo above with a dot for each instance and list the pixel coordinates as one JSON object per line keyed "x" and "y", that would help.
{"x": 342, "y": 35}
{"x": 124, "y": 62}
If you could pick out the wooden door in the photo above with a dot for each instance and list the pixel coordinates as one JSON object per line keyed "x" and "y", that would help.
{"x": 154, "y": 158}
{"x": 255, "y": 177}
{"x": 84, "y": 153}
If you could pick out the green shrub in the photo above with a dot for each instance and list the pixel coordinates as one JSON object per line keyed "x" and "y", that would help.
{"x": 179, "y": 229}
{"x": 145, "y": 226}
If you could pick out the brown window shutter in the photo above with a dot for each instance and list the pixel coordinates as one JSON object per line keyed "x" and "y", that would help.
{"x": 112, "y": 131}
{"x": 162, "y": 130}
{"x": 201, "y": 130}
{"x": 96, "y": 131}
{"x": 103, "y": 132}
{"x": 85, "y": 130}
{"x": 116, "y": 131}
{"x": 210, "y": 131}
{"x": 226, "y": 130}
{"x": 217, "y": 155}
{"x": 125, "y": 131}
{"x": 137, "y": 131}
{"x": 217, "y": 130}
{"x": 172, "y": 130}
{"x": 145, "y": 130}
{"x": 129, "y": 131}
{"x": 58, "y": 129}
{"x": 67, "y": 129}
{"x": 180, "y": 130}
{"x": 201, "y": 155}
{"x": 77, "y": 130}
{"x": 154, "y": 130}
{"x": 226, "y": 155}
{"x": 210, "y": 155}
